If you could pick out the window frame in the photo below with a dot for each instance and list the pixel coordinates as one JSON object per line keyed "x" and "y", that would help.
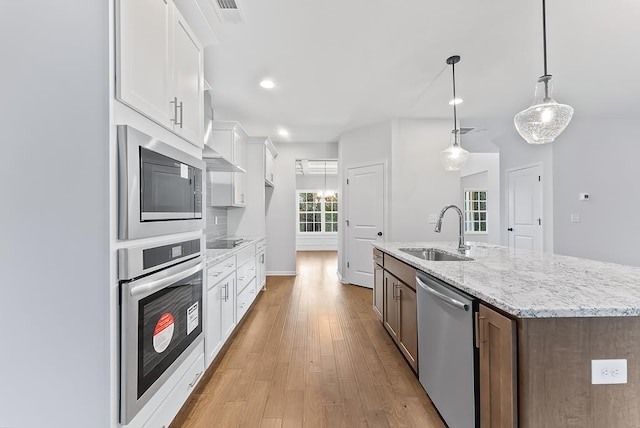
{"x": 322, "y": 213}
{"x": 485, "y": 211}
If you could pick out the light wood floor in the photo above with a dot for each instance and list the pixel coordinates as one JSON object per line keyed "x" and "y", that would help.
{"x": 311, "y": 353}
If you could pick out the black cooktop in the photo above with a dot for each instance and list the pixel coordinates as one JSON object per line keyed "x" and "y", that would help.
{"x": 223, "y": 244}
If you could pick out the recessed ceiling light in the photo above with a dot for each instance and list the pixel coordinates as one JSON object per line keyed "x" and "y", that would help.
{"x": 455, "y": 101}
{"x": 267, "y": 84}
{"x": 283, "y": 132}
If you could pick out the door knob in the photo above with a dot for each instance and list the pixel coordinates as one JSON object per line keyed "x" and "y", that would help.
{"x": 510, "y": 229}
{"x": 379, "y": 233}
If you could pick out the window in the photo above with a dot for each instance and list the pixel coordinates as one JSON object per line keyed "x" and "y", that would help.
{"x": 475, "y": 211}
{"x": 317, "y": 214}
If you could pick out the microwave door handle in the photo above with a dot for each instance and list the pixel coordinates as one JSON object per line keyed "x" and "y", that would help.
{"x": 151, "y": 287}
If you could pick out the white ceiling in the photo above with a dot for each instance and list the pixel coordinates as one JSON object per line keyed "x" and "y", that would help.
{"x": 342, "y": 64}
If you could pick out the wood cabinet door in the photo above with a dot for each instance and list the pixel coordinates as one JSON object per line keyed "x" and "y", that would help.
{"x": 408, "y": 333}
{"x": 378, "y": 290}
{"x": 390, "y": 313}
{"x": 498, "y": 375}
{"x": 142, "y": 55}
{"x": 188, "y": 82}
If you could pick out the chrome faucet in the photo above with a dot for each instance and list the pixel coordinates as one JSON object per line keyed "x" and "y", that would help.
{"x": 461, "y": 246}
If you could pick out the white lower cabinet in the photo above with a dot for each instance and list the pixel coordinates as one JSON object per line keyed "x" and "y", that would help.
{"x": 261, "y": 264}
{"x": 230, "y": 292}
{"x": 246, "y": 298}
{"x": 228, "y": 306}
{"x": 220, "y": 306}
{"x": 178, "y": 395}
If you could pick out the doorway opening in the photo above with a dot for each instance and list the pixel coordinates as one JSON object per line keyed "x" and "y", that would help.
{"x": 317, "y": 205}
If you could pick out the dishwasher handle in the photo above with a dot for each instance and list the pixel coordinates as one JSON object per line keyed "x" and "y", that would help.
{"x": 453, "y": 302}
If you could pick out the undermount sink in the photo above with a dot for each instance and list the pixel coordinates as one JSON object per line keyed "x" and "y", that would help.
{"x": 435, "y": 255}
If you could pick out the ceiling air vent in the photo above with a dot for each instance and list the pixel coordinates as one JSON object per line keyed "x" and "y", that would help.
{"x": 466, "y": 130}
{"x": 229, "y": 12}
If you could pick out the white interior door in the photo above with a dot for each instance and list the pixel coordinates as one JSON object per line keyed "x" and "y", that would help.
{"x": 525, "y": 208}
{"x": 365, "y": 211}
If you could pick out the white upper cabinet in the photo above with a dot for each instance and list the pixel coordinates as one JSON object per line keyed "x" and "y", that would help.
{"x": 144, "y": 77}
{"x": 160, "y": 66}
{"x": 269, "y": 163}
{"x": 228, "y": 189}
{"x": 188, "y": 82}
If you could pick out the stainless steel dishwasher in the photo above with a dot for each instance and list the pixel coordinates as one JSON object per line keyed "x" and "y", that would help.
{"x": 447, "y": 356}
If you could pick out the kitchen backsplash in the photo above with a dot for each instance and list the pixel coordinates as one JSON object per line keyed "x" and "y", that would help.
{"x": 213, "y": 230}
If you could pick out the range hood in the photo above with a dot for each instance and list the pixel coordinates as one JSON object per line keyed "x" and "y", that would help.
{"x": 215, "y": 161}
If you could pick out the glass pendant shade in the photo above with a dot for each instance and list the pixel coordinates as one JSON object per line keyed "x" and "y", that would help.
{"x": 454, "y": 156}
{"x": 545, "y": 119}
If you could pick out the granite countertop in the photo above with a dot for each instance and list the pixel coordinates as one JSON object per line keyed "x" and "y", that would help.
{"x": 527, "y": 284}
{"x": 214, "y": 256}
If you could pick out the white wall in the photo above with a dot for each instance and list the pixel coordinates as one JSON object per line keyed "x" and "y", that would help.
{"x": 420, "y": 185}
{"x": 516, "y": 153}
{"x": 281, "y": 203}
{"x": 599, "y": 157}
{"x": 366, "y": 145}
{"x": 54, "y": 305}
{"x": 486, "y": 168}
{"x": 316, "y": 182}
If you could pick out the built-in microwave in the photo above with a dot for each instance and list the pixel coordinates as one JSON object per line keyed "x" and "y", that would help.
{"x": 159, "y": 187}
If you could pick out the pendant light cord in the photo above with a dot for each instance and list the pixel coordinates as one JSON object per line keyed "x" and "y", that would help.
{"x": 455, "y": 117}
{"x": 544, "y": 34}
{"x": 546, "y": 76}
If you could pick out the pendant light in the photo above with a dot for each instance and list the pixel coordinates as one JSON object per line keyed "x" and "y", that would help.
{"x": 326, "y": 194}
{"x": 454, "y": 156}
{"x": 545, "y": 119}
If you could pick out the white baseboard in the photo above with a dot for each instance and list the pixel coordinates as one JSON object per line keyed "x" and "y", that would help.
{"x": 282, "y": 273}
{"x": 340, "y": 278}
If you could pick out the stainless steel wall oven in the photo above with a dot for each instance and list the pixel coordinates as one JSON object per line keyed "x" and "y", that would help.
{"x": 159, "y": 187}
{"x": 161, "y": 289}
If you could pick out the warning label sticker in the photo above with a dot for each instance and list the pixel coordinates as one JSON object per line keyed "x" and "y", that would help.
{"x": 192, "y": 317}
{"x": 163, "y": 333}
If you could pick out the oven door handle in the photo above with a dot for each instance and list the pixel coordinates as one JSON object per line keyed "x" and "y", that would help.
{"x": 152, "y": 286}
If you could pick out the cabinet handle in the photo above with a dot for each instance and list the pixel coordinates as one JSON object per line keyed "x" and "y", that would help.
{"x": 262, "y": 259}
{"x": 175, "y": 110}
{"x": 180, "y": 107}
{"x": 241, "y": 278}
{"x": 191, "y": 385}
{"x": 230, "y": 266}
{"x": 479, "y": 330}
{"x": 217, "y": 273}
{"x": 226, "y": 292}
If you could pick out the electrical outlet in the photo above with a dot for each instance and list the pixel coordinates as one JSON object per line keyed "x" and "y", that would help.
{"x": 608, "y": 371}
{"x": 433, "y": 218}
{"x": 575, "y": 218}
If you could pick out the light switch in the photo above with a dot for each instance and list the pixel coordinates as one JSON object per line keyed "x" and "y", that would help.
{"x": 433, "y": 218}
{"x": 575, "y": 218}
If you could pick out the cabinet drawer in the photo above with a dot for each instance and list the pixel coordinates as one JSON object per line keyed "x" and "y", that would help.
{"x": 401, "y": 270}
{"x": 261, "y": 245}
{"x": 245, "y": 298}
{"x": 246, "y": 254}
{"x": 245, "y": 274}
{"x": 220, "y": 270}
{"x": 178, "y": 396}
{"x": 377, "y": 257}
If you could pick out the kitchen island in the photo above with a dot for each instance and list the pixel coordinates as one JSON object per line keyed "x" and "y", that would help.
{"x": 556, "y": 314}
